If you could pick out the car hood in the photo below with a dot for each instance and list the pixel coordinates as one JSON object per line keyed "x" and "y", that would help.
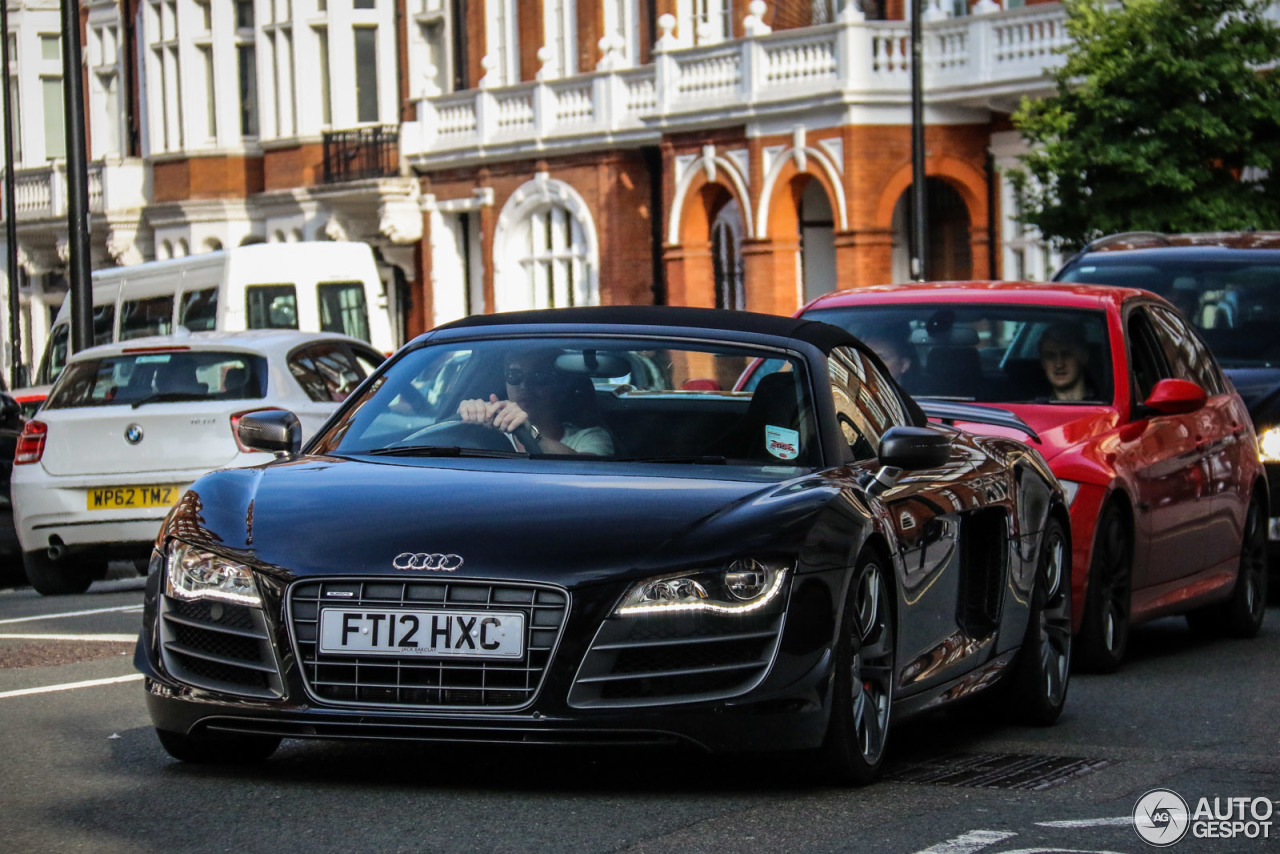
{"x": 1060, "y": 428}
{"x": 513, "y": 520}
{"x": 1260, "y": 390}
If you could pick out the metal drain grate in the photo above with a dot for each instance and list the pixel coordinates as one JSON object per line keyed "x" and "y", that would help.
{"x": 997, "y": 771}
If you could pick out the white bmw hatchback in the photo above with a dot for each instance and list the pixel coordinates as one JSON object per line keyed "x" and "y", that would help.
{"x": 129, "y": 425}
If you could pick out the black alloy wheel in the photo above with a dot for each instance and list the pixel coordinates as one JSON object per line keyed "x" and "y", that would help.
{"x": 1043, "y": 671}
{"x": 1241, "y": 616}
{"x": 64, "y": 577}
{"x": 1104, "y": 634}
{"x": 858, "y": 732}
{"x": 220, "y": 749}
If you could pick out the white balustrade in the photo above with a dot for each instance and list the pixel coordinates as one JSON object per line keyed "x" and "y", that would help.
{"x": 852, "y": 59}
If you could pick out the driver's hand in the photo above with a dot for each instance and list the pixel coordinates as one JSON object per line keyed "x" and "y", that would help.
{"x": 504, "y": 415}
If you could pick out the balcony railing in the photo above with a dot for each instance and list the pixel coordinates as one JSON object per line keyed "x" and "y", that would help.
{"x": 365, "y": 152}
{"x": 41, "y": 193}
{"x": 967, "y": 61}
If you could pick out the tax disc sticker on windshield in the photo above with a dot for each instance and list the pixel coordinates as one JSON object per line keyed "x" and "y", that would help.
{"x": 781, "y": 442}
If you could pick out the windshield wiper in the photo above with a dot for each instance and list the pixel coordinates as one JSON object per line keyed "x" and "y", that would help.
{"x": 439, "y": 451}
{"x": 701, "y": 459}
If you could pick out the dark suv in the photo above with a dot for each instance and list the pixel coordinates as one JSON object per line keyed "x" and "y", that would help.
{"x": 10, "y": 427}
{"x": 1228, "y": 285}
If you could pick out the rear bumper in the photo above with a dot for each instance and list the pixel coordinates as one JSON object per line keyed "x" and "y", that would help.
{"x": 45, "y": 508}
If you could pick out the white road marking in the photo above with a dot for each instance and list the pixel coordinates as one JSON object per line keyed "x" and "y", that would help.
{"x": 71, "y": 614}
{"x": 105, "y": 638}
{"x": 69, "y": 686}
{"x": 969, "y": 843}
{"x": 1119, "y": 821}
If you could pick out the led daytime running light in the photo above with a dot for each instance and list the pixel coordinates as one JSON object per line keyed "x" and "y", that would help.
{"x": 711, "y": 607}
{"x": 194, "y": 573}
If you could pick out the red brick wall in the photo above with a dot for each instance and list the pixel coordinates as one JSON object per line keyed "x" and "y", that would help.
{"x": 207, "y": 178}
{"x": 296, "y": 166}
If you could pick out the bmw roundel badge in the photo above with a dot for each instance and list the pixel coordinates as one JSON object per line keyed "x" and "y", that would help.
{"x": 133, "y": 434}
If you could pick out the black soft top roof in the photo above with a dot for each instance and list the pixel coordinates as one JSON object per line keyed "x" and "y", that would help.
{"x": 824, "y": 336}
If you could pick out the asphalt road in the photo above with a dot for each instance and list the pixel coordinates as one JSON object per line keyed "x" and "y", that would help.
{"x": 83, "y": 771}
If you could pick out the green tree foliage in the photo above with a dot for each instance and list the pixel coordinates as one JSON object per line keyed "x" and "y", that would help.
{"x": 1160, "y": 109}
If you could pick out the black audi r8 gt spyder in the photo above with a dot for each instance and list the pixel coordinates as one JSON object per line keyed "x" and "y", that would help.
{"x": 572, "y": 526}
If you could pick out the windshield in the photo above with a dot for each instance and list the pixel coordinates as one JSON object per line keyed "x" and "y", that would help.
{"x": 1234, "y": 303}
{"x": 635, "y": 400}
{"x": 987, "y": 353}
{"x": 146, "y": 377}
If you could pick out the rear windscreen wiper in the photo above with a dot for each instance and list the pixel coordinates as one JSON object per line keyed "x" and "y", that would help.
{"x": 162, "y": 396}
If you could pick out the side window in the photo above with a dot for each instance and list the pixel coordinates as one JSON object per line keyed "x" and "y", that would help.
{"x": 1146, "y": 357}
{"x": 199, "y": 310}
{"x": 271, "y": 306}
{"x": 326, "y": 372}
{"x": 343, "y": 309}
{"x": 150, "y": 316}
{"x": 866, "y": 401}
{"x": 1188, "y": 357}
{"x": 368, "y": 360}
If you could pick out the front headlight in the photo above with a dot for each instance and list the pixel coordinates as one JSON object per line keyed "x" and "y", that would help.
{"x": 742, "y": 587}
{"x": 194, "y": 573}
{"x": 1269, "y": 445}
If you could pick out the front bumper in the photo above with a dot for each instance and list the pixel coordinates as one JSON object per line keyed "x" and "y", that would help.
{"x": 785, "y": 709}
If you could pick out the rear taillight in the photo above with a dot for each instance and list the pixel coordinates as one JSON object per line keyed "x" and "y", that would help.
{"x": 31, "y": 443}
{"x": 235, "y": 428}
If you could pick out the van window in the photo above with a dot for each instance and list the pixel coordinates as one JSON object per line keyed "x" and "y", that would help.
{"x": 272, "y": 306}
{"x": 55, "y": 354}
{"x": 141, "y": 317}
{"x": 342, "y": 309}
{"x": 199, "y": 312}
{"x": 104, "y": 323}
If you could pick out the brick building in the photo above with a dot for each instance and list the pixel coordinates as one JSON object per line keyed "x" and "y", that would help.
{"x": 506, "y": 154}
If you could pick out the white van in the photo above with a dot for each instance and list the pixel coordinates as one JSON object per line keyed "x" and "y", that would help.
{"x": 315, "y": 287}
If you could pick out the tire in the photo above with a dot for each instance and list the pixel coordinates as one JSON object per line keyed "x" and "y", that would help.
{"x": 56, "y": 577}
{"x": 218, "y": 749}
{"x": 1038, "y": 689}
{"x": 862, "y": 700}
{"x": 1241, "y": 616}
{"x": 1104, "y": 632}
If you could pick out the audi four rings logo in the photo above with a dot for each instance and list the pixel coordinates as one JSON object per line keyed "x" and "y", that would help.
{"x": 442, "y": 563}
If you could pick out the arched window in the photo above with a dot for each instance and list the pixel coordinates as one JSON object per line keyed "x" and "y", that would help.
{"x": 545, "y": 249}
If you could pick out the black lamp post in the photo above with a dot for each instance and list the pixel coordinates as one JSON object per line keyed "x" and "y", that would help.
{"x": 918, "y": 196}
{"x": 16, "y": 374}
{"x": 77, "y": 181}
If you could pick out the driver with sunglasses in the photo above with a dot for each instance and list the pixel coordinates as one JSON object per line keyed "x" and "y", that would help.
{"x": 540, "y": 396}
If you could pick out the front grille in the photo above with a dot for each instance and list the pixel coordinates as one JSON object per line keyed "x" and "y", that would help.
{"x": 651, "y": 659}
{"x": 423, "y": 682}
{"x": 220, "y": 646}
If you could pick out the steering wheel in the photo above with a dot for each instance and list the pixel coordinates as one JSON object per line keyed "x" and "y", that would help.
{"x": 469, "y": 434}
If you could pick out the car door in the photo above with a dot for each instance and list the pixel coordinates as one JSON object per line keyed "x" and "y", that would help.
{"x": 1168, "y": 465}
{"x": 1219, "y": 427}
{"x": 925, "y": 513}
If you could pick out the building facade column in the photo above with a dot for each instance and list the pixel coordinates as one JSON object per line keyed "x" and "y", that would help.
{"x": 771, "y": 274}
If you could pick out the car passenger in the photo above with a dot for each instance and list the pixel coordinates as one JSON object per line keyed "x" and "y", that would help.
{"x": 1064, "y": 356}
{"x": 543, "y": 398}
{"x": 895, "y": 350}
